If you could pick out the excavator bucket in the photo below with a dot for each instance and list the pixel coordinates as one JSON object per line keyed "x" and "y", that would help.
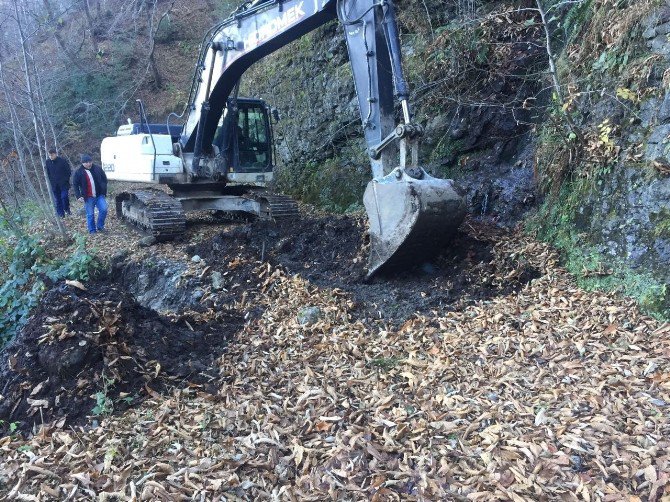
{"x": 411, "y": 218}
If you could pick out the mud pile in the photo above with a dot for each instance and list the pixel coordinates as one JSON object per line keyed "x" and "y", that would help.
{"x": 90, "y": 352}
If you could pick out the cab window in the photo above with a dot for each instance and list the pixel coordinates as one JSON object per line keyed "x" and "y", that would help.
{"x": 252, "y": 129}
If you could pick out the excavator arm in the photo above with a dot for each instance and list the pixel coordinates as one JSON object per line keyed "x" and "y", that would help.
{"x": 261, "y": 28}
{"x": 406, "y": 206}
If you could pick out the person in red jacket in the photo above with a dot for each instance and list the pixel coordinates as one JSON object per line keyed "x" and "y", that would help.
{"x": 90, "y": 184}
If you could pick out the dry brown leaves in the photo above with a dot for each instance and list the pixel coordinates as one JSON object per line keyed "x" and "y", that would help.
{"x": 552, "y": 393}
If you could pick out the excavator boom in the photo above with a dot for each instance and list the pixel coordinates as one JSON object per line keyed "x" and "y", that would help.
{"x": 411, "y": 213}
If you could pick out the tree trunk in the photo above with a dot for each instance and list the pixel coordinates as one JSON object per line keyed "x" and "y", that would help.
{"x": 33, "y": 112}
{"x": 158, "y": 81}
{"x": 554, "y": 75}
{"x": 92, "y": 27}
{"x": 27, "y": 181}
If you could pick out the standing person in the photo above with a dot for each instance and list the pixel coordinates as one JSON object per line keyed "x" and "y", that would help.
{"x": 59, "y": 171}
{"x": 90, "y": 184}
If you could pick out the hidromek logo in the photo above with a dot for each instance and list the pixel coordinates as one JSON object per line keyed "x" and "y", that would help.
{"x": 269, "y": 29}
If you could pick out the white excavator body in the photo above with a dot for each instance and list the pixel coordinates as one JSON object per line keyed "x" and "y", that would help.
{"x": 144, "y": 158}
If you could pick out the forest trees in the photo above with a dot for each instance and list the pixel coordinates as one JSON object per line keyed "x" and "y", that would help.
{"x": 23, "y": 95}
{"x": 68, "y": 69}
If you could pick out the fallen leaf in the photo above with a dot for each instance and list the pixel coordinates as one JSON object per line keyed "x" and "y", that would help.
{"x": 38, "y": 403}
{"x": 323, "y": 426}
{"x": 75, "y": 284}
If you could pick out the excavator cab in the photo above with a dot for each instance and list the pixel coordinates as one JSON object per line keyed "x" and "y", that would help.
{"x": 244, "y": 137}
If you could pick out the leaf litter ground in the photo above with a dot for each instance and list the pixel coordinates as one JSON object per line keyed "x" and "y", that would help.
{"x": 486, "y": 374}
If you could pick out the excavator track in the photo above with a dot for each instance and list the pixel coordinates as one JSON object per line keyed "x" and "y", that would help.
{"x": 154, "y": 211}
{"x": 276, "y": 207}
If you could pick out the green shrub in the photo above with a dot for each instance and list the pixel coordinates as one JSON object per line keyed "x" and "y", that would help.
{"x": 26, "y": 267}
{"x": 336, "y": 184}
{"x": 104, "y": 405}
{"x": 576, "y": 18}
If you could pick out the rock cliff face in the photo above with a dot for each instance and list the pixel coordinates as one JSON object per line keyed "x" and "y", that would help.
{"x": 486, "y": 112}
{"x": 319, "y": 138}
{"x": 629, "y": 217}
{"x": 612, "y": 217}
{"x": 318, "y": 148}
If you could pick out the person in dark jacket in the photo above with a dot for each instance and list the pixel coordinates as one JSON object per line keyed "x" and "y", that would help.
{"x": 59, "y": 171}
{"x": 90, "y": 184}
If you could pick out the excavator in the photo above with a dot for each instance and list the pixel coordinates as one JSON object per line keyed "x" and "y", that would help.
{"x": 222, "y": 158}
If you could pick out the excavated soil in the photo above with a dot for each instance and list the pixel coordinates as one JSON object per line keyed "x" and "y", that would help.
{"x": 332, "y": 252}
{"x": 85, "y": 354}
{"x": 98, "y": 347}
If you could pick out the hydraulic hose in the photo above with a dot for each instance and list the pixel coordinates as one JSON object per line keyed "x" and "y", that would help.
{"x": 393, "y": 42}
